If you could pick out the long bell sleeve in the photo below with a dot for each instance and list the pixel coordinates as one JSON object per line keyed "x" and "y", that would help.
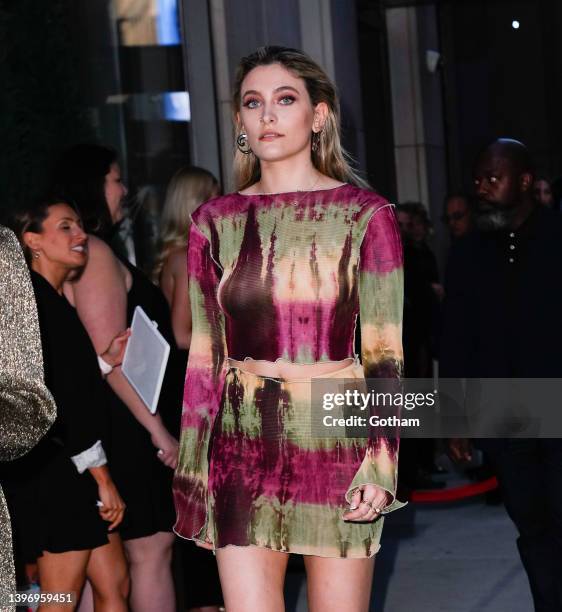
{"x": 204, "y": 383}
{"x": 381, "y": 297}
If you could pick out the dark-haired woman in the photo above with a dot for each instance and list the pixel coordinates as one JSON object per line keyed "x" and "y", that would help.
{"x": 70, "y": 504}
{"x": 143, "y": 451}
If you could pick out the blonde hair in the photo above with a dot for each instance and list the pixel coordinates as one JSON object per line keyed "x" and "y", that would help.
{"x": 329, "y": 158}
{"x": 190, "y": 186}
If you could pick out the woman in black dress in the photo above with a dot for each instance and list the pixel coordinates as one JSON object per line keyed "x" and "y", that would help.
{"x": 143, "y": 451}
{"x": 69, "y": 506}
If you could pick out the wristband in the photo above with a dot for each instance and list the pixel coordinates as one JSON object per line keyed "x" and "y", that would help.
{"x": 104, "y": 366}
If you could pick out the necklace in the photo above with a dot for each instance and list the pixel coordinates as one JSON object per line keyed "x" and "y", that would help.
{"x": 263, "y": 193}
{"x": 299, "y": 200}
{"x": 302, "y": 192}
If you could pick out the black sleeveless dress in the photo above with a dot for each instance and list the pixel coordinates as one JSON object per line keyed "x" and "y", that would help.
{"x": 53, "y": 506}
{"x": 144, "y": 482}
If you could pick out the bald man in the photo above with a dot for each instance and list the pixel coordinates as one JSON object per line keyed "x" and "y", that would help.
{"x": 502, "y": 319}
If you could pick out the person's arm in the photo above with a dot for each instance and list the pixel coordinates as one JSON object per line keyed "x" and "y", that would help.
{"x": 203, "y": 385}
{"x": 111, "y": 507}
{"x": 174, "y": 285}
{"x": 381, "y": 297}
{"x": 100, "y": 297}
{"x": 27, "y": 409}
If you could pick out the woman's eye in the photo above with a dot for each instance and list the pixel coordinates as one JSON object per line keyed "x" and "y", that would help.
{"x": 493, "y": 179}
{"x": 251, "y": 103}
{"x": 286, "y": 100}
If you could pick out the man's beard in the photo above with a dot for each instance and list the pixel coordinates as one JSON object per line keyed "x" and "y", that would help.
{"x": 490, "y": 218}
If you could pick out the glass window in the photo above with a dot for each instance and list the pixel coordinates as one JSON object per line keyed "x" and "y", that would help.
{"x": 139, "y": 102}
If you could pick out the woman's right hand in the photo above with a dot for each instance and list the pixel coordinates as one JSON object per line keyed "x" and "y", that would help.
{"x": 113, "y": 507}
{"x": 116, "y": 351}
{"x": 207, "y": 545}
{"x": 168, "y": 447}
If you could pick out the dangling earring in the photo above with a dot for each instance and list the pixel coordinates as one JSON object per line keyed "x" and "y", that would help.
{"x": 242, "y": 143}
{"x": 316, "y": 141}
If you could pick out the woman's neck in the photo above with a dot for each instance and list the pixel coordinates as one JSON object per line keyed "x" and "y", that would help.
{"x": 53, "y": 274}
{"x": 288, "y": 175}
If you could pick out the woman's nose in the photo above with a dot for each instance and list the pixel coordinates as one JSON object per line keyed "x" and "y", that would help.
{"x": 268, "y": 115}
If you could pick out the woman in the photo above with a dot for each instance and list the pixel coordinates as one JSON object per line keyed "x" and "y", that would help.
{"x": 70, "y": 465}
{"x": 279, "y": 272}
{"x": 27, "y": 409}
{"x": 189, "y": 187}
{"x": 143, "y": 452}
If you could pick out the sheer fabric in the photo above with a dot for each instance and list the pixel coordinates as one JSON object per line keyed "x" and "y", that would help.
{"x": 286, "y": 276}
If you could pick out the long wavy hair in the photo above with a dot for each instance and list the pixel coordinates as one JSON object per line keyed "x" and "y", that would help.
{"x": 190, "y": 186}
{"x": 329, "y": 158}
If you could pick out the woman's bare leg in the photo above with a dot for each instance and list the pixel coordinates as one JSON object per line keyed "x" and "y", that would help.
{"x": 150, "y": 567}
{"x": 252, "y": 578}
{"x": 339, "y": 584}
{"x": 86, "y": 603}
{"x": 62, "y": 573}
{"x": 108, "y": 576}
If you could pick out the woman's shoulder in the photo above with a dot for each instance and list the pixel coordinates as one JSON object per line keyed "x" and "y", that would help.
{"x": 9, "y": 244}
{"x": 103, "y": 266}
{"x": 176, "y": 261}
{"x": 219, "y": 206}
{"x": 368, "y": 199}
{"x": 6, "y": 235}
{"x": 98, "y": 248}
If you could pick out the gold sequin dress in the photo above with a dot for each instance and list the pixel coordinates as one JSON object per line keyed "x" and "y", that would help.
{"x": 27, "y": 409}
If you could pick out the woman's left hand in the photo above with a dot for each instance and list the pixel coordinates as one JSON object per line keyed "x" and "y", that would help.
{"x": 116, "y": 351}
{"x": 367, "y": 503}
{"x": 204, "y": 544}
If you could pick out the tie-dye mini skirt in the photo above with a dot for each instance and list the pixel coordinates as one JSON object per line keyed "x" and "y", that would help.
{"x": 272, "y": 483}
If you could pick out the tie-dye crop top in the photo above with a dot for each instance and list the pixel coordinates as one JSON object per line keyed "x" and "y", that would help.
{"x": 286, "y": 276}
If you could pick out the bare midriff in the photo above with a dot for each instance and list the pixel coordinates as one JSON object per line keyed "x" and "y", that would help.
{"x": 289, "y": 371}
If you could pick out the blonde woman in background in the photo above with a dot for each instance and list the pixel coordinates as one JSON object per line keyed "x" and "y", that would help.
{"x": 190, "y": 186}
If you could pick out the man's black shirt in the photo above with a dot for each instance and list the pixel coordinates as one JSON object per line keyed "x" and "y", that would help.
{"x": 503, "y": 305}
